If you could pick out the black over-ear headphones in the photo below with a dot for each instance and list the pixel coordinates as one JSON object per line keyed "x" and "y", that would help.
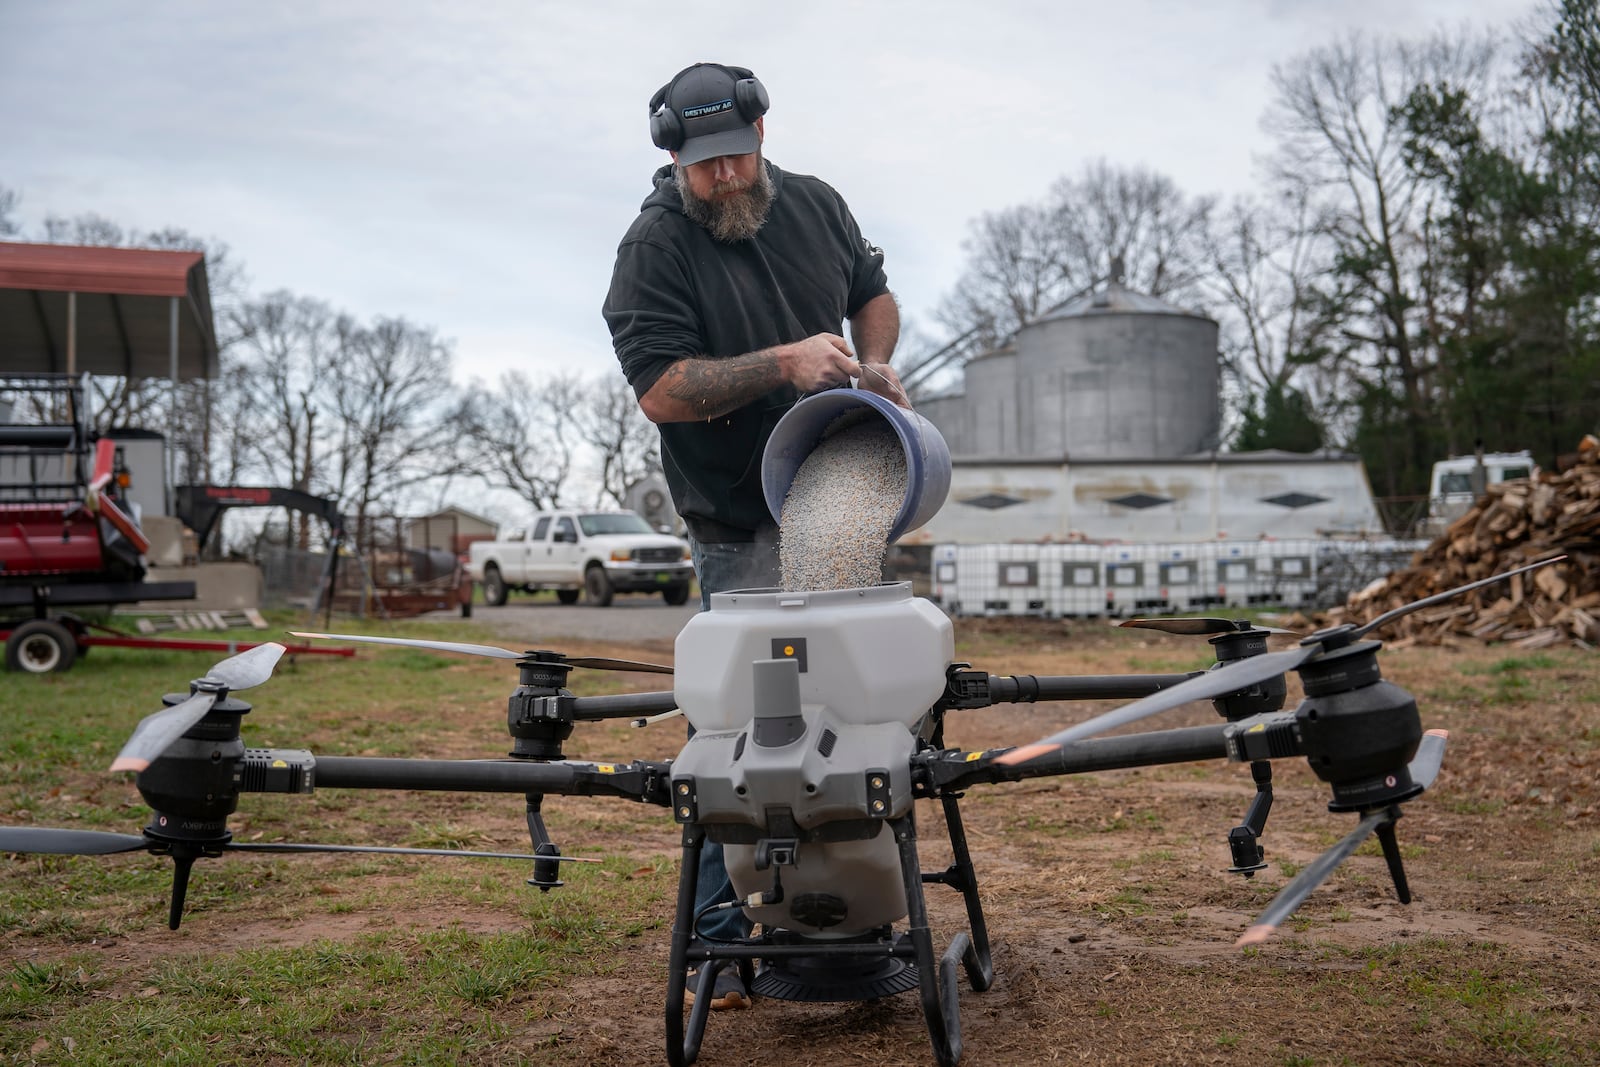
{"x": 666, "y": 127}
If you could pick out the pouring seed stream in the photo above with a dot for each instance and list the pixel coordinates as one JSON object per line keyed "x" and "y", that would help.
{"x": 834, "y": 531}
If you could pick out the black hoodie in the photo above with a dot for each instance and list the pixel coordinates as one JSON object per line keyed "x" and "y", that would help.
{"x": 677, "y": 292}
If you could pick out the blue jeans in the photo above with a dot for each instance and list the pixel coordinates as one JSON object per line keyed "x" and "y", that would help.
{"x": 724, "y": 565}
{"x": 721, "y": 566}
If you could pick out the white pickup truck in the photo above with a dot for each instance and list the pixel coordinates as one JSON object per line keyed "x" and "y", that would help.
{"x": 1457, "y": 483}
{"x": 591, "y": 553}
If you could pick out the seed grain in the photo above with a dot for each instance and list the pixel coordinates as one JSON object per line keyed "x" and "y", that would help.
{"x": 834, "y": 530}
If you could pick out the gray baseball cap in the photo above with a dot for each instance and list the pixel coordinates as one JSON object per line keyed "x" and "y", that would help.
{"x": 715, "y": 112}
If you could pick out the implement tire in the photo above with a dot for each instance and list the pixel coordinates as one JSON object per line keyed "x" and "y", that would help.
{"x": 40, "y": 646}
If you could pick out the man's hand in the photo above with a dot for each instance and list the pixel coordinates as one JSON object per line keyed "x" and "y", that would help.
{"x": 880, "y": 378}
{"x": 821, "y": 361}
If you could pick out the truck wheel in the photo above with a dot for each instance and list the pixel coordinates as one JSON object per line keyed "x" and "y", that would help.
{"x": 568, "y": 596}
{"x": 676, "y": 594}
{"x": 494, "y": 587}
{"x": 40, "y": 646}
{"x": 598, "y": 586}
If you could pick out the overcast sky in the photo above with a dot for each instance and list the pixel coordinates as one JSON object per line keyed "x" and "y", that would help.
{"x": 471, "y": 166}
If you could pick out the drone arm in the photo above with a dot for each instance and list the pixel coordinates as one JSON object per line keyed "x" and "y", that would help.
{"x": 976, "y": 689}
{"x": 1027, "y": 688}
{"x": 621, "y": 705}
{"x": 953, "y": 771}
{"x": 640, "y": 780}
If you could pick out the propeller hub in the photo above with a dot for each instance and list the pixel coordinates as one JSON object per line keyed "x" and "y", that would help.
{"x": 1264, "y": 696}
{"x": 1238, "y": 644}
{"x": 543, "y": 670}
{"x": 191, "y": 786}
{"x": 172, "y": 830}
{"x": 1342, "y": 669}
{"x": 1333, "y": 637}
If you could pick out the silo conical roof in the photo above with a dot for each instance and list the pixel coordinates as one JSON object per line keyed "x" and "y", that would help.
{"x": 1114, "y": 299}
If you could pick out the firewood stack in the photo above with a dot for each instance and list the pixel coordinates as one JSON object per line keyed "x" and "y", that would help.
{"x": 1513, "y": 524}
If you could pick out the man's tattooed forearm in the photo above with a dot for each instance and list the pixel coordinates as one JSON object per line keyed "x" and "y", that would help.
{"x": 717, "y": 386}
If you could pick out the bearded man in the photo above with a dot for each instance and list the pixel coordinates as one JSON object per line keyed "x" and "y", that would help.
{"x": 727, "y": 304}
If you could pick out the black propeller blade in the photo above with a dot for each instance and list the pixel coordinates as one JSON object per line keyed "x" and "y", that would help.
{"x": 1438, "y": 598}
{"x": 158, "y": 730}
{"x": 1200, "y": 627}
{"x": 51, "y": 841}
{"x": 1424, "y": 768}
{"x": 255, "y": 846}
{"x": 48, "y": 840}
{"x": 592, "y": 662}
{"x": 1242, "y": 674}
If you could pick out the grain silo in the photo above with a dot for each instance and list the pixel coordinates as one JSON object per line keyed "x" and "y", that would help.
{"x": 1112, "y": 374}
{"x": 1117, "y": 374}
{"x": 1100, "y": 421}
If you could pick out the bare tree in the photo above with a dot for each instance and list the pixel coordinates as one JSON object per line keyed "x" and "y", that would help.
{"x": 627, "y": 445}
{"x": 86, "y": 229}
{"x": 1015, "y": 269}
{"x": 191, "y": 422}
{"x": 390, "y": 389}
{"x": 285, "y": 346}
{"x": 1024, "y": 260}
{"x": 1134, "y": 217}
{"x": 1341, "y": 145}
{"x": 229, "y": 418}
{"x": 9, "y": 199}
{"x": 1267, "y": 259}
{"x": 520, "y": 435}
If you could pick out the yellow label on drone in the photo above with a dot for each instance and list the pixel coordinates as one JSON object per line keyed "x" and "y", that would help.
{"x": 605, "y": 768}
{"x": 1257, "y": 728}
{"x": 971, "y": 756}
{"x": 279, "y": 763}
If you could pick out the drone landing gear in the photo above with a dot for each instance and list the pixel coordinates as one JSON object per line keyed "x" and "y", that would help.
{"x": 802, "y": 968}
{"x": 1244, "y": 839}
{"x": 939, "y": 984}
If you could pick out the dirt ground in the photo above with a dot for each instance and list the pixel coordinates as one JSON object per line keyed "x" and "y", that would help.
{"x": 1113, "y": 918}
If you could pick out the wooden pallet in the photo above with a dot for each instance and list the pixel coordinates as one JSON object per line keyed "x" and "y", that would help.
{"x": 202, "y": 620}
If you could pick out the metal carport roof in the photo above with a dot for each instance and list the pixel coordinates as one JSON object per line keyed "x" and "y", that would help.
{"x": 125, "y": 312}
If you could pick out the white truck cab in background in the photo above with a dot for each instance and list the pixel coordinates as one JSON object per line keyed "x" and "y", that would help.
{"x": 1460, "y": 480}
{"x": 583, "y": 553}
